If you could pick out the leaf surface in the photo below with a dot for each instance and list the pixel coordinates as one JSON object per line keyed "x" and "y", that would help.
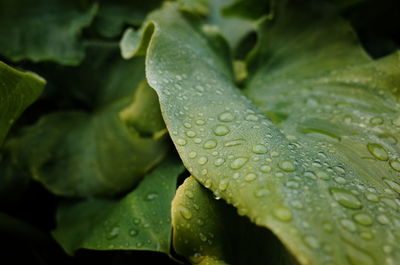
{"x": 139, "y": 221}
{"x": 328, "y": 203}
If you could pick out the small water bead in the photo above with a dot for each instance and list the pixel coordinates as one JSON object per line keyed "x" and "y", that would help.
{"x": 265, "y": 169}
{"x": 312, "y": 242}
{"x": 274, "y": 154}
{"x": 190, "y": 134}
{"x": 113, "y": 233}
{"x": 396, "y": 122}
{"x": 363, "y": 219}
{"x": 297, "y": 204}
{"x": 287, "y": 166}
{"x": 204, "y": 171}
{"x": 260, "y": 149}
{"x": 393, "y": 185}
{"x": 202, "y": 160}
{"x": 221, "y": 130}
{"x": 223, "y": 185}
{"x": 250, "y": 177}
{"x": 292, "y": 184}
{"x": 189, "y": 194}
{"x": 340, "y": 180}
{"x": 197, "y": 140}
{"x": 208, "y": 183}
{"x": 151, "y": 196}
{"x": 372, "y": 197}
{"x": 328, "y": 227}
{"x": 202, "y": 237}
{"x": 210, "y": 144}
{"x": 239, "y": 162}
{"x": 340, "y": 169}
{"x": 133, "y": 232}
{"x": 226, "y": 117}
{"x": 310, "y": 175}
{"x": 358, "y": 257}
{"x": 139, "y": 244}
{"x": 187, "y": 125}
{"x": 251, "y": 117}
{"x": 185, "y": 212}
{"x": 192, "y": 154}
{"x": 200, "y": 221}
{"x": 383, "y": 219}
{"x": 389, "y": 202}
{"x": 387, "y": 249}
{"x": 283, "y": 214}
{"x": 348, "y": 225}
{"x": 199, "y": 88}
{"x": 181, "y": 142}
{"x": 261, "y": 193}
{"x": 200, "y": 122}
{"x": 395, "y": 164}
{"x": 366, "y": 235}
{"x": 376, "y": 120}
{"x": 235, "y": 142}
{"x": 345, "y": 198}
{"x": 378, "y": 151}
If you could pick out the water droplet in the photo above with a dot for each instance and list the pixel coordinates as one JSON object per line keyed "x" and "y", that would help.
{"x": 250, "y": 177}
{"x": 376, "y": 120}
{"x": 297, "y": 204}
{"x": 363, "y": 219}
{"x": 393, "y": 185}
{"x": 340, "y": 180}
{"x": 200, "y": 122}
{"x": 219, "y": 161}
{"x": 260, "y": 149}
{"x": 358, "y": 257}
{"x": 187, "y": 125}
{"x": 190, "y": 134}
{"x": 312, "y": 242}
{"x": 113, "y": 233}
{"x": 345, "y": 198}
{"x": 223, "y": 185}
{"x": 287, "y": 166}
{"x": 372, "y": 197}
{"x": 221, "y": 130}
{"x": 292, "y": 184}
{"x": 239, "y": 162}
{"x": 202, "y": 237}
{"x": 322, "y": 175}
{"x": 151, "y": 196}
{"x": 181, "y": 142}
{"x": 242, "y": 211}
{"x": 235, "y": 142}
{"x": 189, "y": 194}
{"x": 192, "y": 154}
{"x": 383, "y": 219}
{"x": 133, "y": 232}
{"x": 251, "y": 117}
{"x": 389, "y": 202}
{"x": 395, "y": 164}
{"x": 210, "y": 144}
{"x": 366, "y": 235}
{"x": 139, "y": 244}
{"x": 396, "y": 122}
{"x": 261, "y": 193}
{"x": 265, "y": 169}
{"x": 328, "y": 227}
{"x": 200, "y": 221}
{"x": 387, "y": 249}
{"x": 348, "y": 224}
{"x": 340, "y": 169}
{"x": 283, "y": 214}
{"x": 378, "y": 151}
{"x": 199, "y": 88}
{"x": 310, "y": 175}
{"x": 185, "y": 212}
{"x": 202, "y": 160}
{"x": 197, "y": 140}
{"x": 226, "y": 117}
{"x": 208, "y": 183}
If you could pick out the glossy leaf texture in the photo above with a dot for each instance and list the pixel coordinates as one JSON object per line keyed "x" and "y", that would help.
{"x": 208, "y": 231}
{"x": 18, "y": 90}
{"x": 329, "y": 193}
{"x": 139, "y": 221}
{"x": 44, "y": 30}
{"x": 103, "y": 151}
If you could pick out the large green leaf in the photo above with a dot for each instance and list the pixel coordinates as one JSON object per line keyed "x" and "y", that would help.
{"x": 104, "y": 151}
{"x": 140, "y": 220}
{"x": 225, "y": 237}
{"x": 17, "y": 91}
{"x": 329, "y": 192}
{"x": 44, "y": 30}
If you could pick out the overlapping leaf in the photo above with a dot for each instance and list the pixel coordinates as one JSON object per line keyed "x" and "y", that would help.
{"x": 44, "y": 30}
{"x": 141, "y": 220}
{"x": 107, "y": 150}
{"x": 329, "y": 192}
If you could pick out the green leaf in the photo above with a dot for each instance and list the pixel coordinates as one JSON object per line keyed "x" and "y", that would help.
{"x": 44, "y": 30}
{"x": 141, "y": 220}
{"x": 328, "y": 192}
{"x": 224, "y": 238}
{"x": 105, "y": 151}
{"x": 17, "y": 91}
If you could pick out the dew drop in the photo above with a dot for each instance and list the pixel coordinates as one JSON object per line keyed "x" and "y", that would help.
{"x": 322, "y": 175}
{"x": 219, "y": 161}
{"x": 340, "y": 180}
{"x": 189, "y": 194}
{"x": 328, "y": 227}
{"x": 310, "y": 175}
{"x": 376, "y": 120}
{"x": 139, "y": 244}
{"x": 387, "y": 249}
{"x": 363, "y": 219}
{"x": 393, "y": 185}
{"x": 210, "y": 144}
{"x": 250, "y": 177}
{"x": 287, "y": 166}
{"x": 396, "y": 122}
{"x": 345, "y": 198}
{"x": 395, "y": 164}
{"x": 265, "y": 169}
{"x": 358, "y": 257}
{"x": 372, "y": 197}
{"x": 221, "y": 130}
{"x": 251, "y": 117}
{"x": 312, "y": 242}
{"x": 200, "y": 221}
{"x": 292, "y": 184}
{"x": 185, "y": 212}
{"x": 200, "y": 122}
{"x": 208, "y": 183}
{"x": 283, "y": 214}
{"x": 383, "y": 219}
{"x": 223, "y": 185}
{"x": 348, "y": 225}
{"x": 366, "y": 235}
{"x": 378, "y": 151}
{"x": 133, "y": 232}
{"x": 187, "y": 125}
{"x": 235, "y": 142}
{"x": 192, "y": 154}
{"x": 340, "y": 169}
{"x": 190, "y": 134}
{"x": 151, "y": 196}
{"x": 260, "y": 149}
{"x": 113, "y": 233}
{"x": 226, "y": 117}
{"x": 239, "y": 162}
{"x": 202, "y": 160}
{"x": 181, "y": 142}
{"x": 202, "y": 237}
{"x": 197, "y": 140}
{"x": 261, "y": 193}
